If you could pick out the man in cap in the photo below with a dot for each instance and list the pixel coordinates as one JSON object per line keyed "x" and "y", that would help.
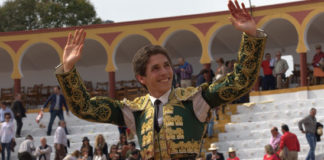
{"x": 214, "y": 155}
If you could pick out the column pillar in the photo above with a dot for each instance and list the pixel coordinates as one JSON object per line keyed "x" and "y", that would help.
{"x": 303, "y": 69}
{"x": 17, "y": 86}
{"x": 112, "y": 88}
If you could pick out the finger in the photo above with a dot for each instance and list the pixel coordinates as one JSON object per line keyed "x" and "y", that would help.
{"x": 232, "y": 9}
{"x": 69, "y": 40}
{"x": 75, "y": 36}
{"x": 81, "y": 38}
{"x": 238, "y": 8}
{"x": 245, "y": 10}
{"x": 80, "y": 48}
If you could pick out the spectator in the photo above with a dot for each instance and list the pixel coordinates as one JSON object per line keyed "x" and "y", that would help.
{"x": 6, "y": 133}
{"x": 281, "y": 66}
{"x": 86, "y": 144}
{"x": 135, "y": 155}
{"x": 275, "y": 138}
{"x": 113, "y": 154}
{"x": 60, "y": 141}
{"x": 221, "y": 69}
{"x": 4, "y": 109}
{"x": 132, "y": 147}
{"x": 268, "y": 81}
{"x": 317, "y": 64}
{"x": 309, "y": 123}
{"x": 26, "y": 149}
{"x": 214, "y": 155}
{"x": 204, "y": 77}
{"x": 85, "y": 154}
{"x": 43, "y": 152}
{"x": 289, "y": 145}
{"x": 74, "y": 156}
{"x": 98, "y": 155}
{"x": 57, "y": 101}
{"x": 19, "y": 112}
{"x": 232, "y": 154}
{"x": 122, "y": 146}
{"x": 100, "y": 142}
{"x": 185, "y": 70}
{"x": 270, "y": 154}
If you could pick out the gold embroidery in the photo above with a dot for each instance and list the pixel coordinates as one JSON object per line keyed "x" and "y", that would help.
{"x": 183, "y": 94}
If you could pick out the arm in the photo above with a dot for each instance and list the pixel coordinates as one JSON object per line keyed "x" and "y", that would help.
{"x": 239, "y": 82}
{"x": 246, "y": 71}
{"x": 48, "y": 100}
{"x": 47, "y": 150}
{"x": 65, "y": 105}
{"x": 300, "y": 124}
{"x": 188, "y": 69}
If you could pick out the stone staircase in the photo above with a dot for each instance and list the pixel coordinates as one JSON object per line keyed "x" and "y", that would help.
{"x": 248, "y": 131}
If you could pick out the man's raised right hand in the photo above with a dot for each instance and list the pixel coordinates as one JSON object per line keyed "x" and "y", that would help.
{"x": 73, "y": 49}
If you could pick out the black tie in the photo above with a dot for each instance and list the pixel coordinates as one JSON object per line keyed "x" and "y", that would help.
{"x": 156, "y": 115}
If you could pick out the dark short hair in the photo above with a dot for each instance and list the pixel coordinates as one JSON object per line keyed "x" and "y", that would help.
{"x": 58, "y": 87}
{"x": 7, "y": 114}
{"x": 285, "y": 127}
{"x": 143, "y": 55}
{"x": 132, "y": 144}
{"x": 29, "y": 137}
{"x": 204, "y": 71}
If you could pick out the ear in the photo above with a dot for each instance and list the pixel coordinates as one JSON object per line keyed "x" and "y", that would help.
{"x": 141, "y": 79}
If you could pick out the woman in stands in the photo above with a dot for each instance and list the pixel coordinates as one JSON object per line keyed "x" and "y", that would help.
{"x": 122, "y": 146}
{"x": 113, "y": 154}
{"x": 74, "y": 156}
{"x": 98, "y": 155}
{"x": 270, "y": 154}
{"x": 86, "y": 144}
{"x": 100, "y": 142}
{"x": 232, "y": 154}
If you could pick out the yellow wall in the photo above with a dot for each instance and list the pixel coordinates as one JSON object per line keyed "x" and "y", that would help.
{"x": 173, "y": 24}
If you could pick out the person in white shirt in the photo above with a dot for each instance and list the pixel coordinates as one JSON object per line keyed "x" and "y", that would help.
{"x": 7, "y": 133}
{"x": 4, "y": 109}
{"x": 98, "y": 155}
{"x": 43, "y": 152}
{"x": 60, "y": 141}
{"x": 27, "y": 149}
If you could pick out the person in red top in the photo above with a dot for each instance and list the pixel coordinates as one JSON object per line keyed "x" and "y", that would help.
{"x": 318, "y": 73}
{"x": 232, "y": 154}
{"x": 268, "y": 81}
{"x": 289, "y": 145}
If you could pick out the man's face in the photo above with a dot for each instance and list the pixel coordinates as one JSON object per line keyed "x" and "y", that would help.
{"x": 62, "y": 124}
{"x": 274, "y": 133}
{"x": 268, "y": 57}
{"x": 159, "y": 74}
{"x": 278, "y": 56}
{"x": 56, "y": 90}
{"x": 313, "y": 112}
{"x": 18, "y": 96}
{"x": 2, "y": 106}
{"x": 214, "y": 151}
{"x": 43, "y": 141}
{"x": 7, "y": 118}
{"x": 181, "y": 61}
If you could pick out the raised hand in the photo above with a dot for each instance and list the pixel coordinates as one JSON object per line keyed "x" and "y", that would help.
{"x": 73, "y": 49}
{"x": 241, "y": 19}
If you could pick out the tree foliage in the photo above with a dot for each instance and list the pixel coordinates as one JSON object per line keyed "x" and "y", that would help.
{"x": 18, "y": 15}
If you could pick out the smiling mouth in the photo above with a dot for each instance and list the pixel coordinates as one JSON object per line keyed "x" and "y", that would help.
{"x": 165, "y": 80}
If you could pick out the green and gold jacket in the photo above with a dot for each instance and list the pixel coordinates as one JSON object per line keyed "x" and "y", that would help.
{"x": 185, "y": 115}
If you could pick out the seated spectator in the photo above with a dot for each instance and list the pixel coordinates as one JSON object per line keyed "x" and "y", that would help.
{"x": 85, "y": 154}
{"x": 26, "y": 149}
{"x": 318, "y": 66}
{"x": 221, "y": 69}
{"x": 100, "y": 142}
{"x": 113, "y": 154}
{"x": 270, "y": 154}
{"x": 214, "y": 155}
{"x": 7, "y": 135}
{"x": 122, "y": 146}
{"x": 185, "y": 71}
{"x": 232, "y": 154}
{"x": 135, "y": 155}
{"x": 275, "y": 138}
{"x": 43, "y": 152}
{"x": 98, "y": 155}
{"x": 74, "y": 156}
{"x": 289, "y": 145}
{"x": 132, "y": 148}
{"x": 86, "y": 144}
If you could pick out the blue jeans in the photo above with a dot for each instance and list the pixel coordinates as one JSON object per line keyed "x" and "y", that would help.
{"x": 210, "y": 128}
{"x": 5, "y": 146}
{"x": 55, "y": 113}
{"x": 311, "y": 139}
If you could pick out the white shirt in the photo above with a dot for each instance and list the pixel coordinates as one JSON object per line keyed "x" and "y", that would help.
{"x": 26, "y": 146}
{"x": 57, "y": 103}
{"x": 164, "y": 100}
{"x": 7, "y": 132}
{"x": 60, "y": 136}
{"x": 97, "y": 157}
{"x": 47, "y": 151}
{"x": 70, "y": 157}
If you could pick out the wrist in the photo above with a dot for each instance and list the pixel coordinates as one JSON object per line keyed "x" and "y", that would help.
{"x": 252, "y": 32}
{"x": 67, "y": 67}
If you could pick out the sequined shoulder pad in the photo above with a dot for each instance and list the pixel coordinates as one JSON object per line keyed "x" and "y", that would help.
{"x": 138, "y": 104}
{"x": 183, "y": 94}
